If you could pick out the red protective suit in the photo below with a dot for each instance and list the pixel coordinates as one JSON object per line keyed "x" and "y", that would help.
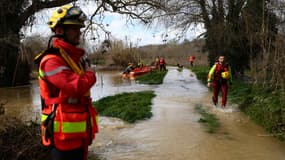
{"x": 64, "y": 87}
{"x": 218, "y": 83}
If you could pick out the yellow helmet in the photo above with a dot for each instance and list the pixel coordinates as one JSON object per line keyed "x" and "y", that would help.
{"x": 225, "y": 75}
{"x": 67, "y": 15}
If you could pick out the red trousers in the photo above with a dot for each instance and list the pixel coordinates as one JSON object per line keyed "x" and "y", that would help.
{"x": 217, "y": 86}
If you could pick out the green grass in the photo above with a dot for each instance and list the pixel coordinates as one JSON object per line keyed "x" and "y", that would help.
{"x": 127, "y": 106}
{"x": 208, "y": 119}
{"x": 201, "y": 72}
{"x": 264, "y": 106}
{"x": 238, "y": 91}
{"x": 154, "y": 77}
{"x": 267, "y": 108}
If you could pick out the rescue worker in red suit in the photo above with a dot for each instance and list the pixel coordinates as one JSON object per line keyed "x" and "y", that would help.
{"x": 191, "y": 60}
{"x": 162, "y": 64}
{"x": 69, "y": 122}
{"x": 219, "y": 77}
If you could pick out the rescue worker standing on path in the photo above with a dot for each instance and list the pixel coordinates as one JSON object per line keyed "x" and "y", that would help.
{"x": 69, "y": 122}
{"x": 162, "y": 64}
{"x": 191, "y": 60}
{"x": 219, "y": 77}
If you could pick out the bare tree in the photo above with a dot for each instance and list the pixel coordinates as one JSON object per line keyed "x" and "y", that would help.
{"x": 233, "y": 27}
{"x": 14, "y": 14}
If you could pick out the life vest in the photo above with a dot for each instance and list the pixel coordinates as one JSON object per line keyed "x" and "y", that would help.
{"x": 217, "y": 72}
{"x": 191, "y": 58}
{"x": 66, "y": 121}
{"x": 161, "y": 61}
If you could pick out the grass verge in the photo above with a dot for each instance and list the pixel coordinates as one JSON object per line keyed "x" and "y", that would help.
{"x": 208, "y": 119}
{"x": 201, "y": 72}
{"x": 127, "y": 106}
{"x": 154, "y": 77}
{"x": 264, "y": 106}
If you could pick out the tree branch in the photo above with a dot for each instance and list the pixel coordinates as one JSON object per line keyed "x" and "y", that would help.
{"x": 39, "y": 5}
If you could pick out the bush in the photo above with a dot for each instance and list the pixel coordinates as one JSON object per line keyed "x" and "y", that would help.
{"x": 201, "y": 73}
{"x": 266, "y": 107}
{"x": 20, "y": 141}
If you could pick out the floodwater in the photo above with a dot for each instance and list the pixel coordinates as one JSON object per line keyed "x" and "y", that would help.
{"x": 24, "y": 102}
{"x": 173, "y": 133}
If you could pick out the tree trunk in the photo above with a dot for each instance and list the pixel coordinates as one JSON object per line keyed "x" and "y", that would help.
{"x": 12, "y": 70}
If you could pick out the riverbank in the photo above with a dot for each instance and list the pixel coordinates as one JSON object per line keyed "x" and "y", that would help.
{"x": 21, "y": 141}
{"x": 153, "y": 77}
{"x": 263, "y": 106}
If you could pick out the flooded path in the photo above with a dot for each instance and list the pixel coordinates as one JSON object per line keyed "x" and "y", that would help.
{"x": 24, "y": 102}
{"x": 173, "y": 132}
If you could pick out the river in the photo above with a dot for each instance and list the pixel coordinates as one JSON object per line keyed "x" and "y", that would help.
{"x": 173, "y": 133}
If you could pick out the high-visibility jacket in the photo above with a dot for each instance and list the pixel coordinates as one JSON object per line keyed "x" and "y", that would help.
{"x": 68, "y": 119}
{"x": 215, "y": 73}
{"x": 161, "y": 61}
{"x": 191, "y": 58}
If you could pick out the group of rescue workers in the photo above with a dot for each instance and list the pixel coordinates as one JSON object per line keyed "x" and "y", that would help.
{"x": 69, "y": 122}
{"x": 159, "y": 62}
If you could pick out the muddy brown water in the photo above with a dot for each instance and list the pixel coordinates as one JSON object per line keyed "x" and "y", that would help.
{"x": 173, "y": 132}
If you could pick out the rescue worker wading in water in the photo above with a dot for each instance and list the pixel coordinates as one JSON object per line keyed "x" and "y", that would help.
{"x": 69, "y": 122}
{"x": 219, "y": 78}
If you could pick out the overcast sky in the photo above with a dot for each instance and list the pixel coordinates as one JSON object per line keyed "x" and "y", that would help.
{"x": 137, "y": 33}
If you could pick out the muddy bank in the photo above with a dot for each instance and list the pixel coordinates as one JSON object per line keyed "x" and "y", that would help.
{"x": 20, "y": 141}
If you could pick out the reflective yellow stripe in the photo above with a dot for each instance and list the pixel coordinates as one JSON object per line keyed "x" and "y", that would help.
{"x": 73, "y": 127}
{"x": 44, "y": 117}
{"x": 56, "y": 126}
{"x": 69, "y": 127}
{"x": 97, "y": 119}
{"x": 41, "y": 73}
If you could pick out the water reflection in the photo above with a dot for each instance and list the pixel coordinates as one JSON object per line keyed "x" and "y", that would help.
{"x": 111, "y": 83}
{"x": 173, "y": 132}
{"x": 24, "y": 102}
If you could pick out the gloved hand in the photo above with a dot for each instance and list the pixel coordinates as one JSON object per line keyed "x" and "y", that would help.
{"x": 209, "y": 84}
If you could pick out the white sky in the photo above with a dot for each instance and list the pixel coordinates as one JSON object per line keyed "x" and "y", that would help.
{"x": 137, "y": 33}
